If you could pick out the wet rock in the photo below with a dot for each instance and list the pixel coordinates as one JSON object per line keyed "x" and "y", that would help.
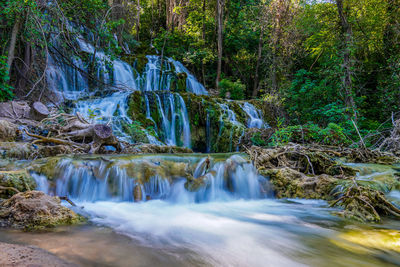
{"x": 137, "y": 193}
{"x": 288, "y": 183}
{"x": 24, "y": 150}
{"x": 20, "y": 180}
{"x": 156, "y": 149}
{"x": 35, "y": 210}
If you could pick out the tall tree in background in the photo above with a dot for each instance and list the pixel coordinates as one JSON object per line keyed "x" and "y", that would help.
{"x": 220, "y": 31}
{"x": 347, "y": 35}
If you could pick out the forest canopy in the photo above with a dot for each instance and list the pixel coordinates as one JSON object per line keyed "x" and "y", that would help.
{"x": 322, "y": 62}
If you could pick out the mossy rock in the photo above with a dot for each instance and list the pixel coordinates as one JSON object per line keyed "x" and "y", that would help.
{"x": 35, "y": 210}
{"x": 288, "y": 183}
{"x": 47, "y": 167}
{"x": 20, "y": 180}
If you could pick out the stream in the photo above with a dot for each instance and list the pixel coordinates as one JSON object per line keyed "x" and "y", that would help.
{"x": 233, "y": 220}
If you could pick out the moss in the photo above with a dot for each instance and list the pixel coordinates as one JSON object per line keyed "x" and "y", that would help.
{"x": 35, "y": 210}
{"x": 20, "y": 180}
{"x": 289, "y": 183}
{"x": 47, "y": 167}
{"x": 181, "y": 82}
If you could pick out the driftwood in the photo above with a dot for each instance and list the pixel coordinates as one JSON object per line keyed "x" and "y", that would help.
{"x": 39, "y": 111}
{"x": 68, "y": 200}
{"x": 76, "y": 132}
{"x": 363, "y": 203}
{"x": 3, "y": 188}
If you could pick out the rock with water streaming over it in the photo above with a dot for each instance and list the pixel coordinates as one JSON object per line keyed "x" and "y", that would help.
{"x": 35, "y": 210}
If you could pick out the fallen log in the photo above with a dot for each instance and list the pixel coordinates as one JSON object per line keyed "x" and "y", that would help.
{"x": 39, "y": 111}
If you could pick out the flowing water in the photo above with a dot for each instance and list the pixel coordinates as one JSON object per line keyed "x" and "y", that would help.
{"x": 230, "y": 218}
{"x": 233, "y": 220}
{"x": 255, "y": 117}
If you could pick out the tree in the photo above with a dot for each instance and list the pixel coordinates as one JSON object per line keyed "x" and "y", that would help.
{"x": 220, "y": 29}
{"x": 347, "y": 34}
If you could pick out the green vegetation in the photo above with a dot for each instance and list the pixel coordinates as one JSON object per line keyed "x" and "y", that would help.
{"x": 326, "y": 62}
{"x": 235, "y": 89}
{"x": 5, "y": 89}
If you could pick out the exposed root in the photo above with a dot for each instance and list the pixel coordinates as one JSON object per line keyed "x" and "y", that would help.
{"x": 364, "y": 204}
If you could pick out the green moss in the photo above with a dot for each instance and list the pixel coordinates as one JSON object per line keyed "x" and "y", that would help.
{"x": 20, "y": 180}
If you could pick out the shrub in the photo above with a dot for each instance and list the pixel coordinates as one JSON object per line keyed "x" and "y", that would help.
{"x": 333, "y": 134}
{"x": 236, "y": 89}
{"x": 5, "y": 89}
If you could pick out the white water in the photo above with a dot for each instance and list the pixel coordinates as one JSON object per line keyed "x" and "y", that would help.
{"x": 191, "y": 82}
{"x": 255, "y": 116}
{"x": 238, "y": 233}
{"x": 220, "y": 225}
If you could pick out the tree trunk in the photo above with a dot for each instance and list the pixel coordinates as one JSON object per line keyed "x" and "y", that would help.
{"x": 260, "y": 46}
{"x": 13, "y": 41}
{"x": 39, "y": 111}
{"x": 203, "y": 36}
{"x": 220, "y": 19}
{"x": 138, "y": 20}
{"x": 25, "y": 68}
{"x": 347, "y": 39}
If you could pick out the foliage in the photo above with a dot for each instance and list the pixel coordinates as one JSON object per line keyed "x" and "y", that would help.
{"x": 257, "y": 140}
{"x": 333, "y": 134}
{"x": 236, "y": 89}
{"x": 5, "y": 89}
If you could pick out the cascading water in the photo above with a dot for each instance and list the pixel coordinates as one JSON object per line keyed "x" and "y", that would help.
{"x": 120, "y": 79}
{"x": 226, "y": 221}
{"x": 255, "y": 116}
{"x": 160, "y": 177}
{"x": 191, "y": 82}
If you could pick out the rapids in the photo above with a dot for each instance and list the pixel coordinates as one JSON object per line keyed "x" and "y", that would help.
{"x": 231, "y": 219}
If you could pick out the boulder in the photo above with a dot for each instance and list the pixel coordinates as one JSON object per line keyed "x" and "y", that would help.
{"x": 35, "y": 210}
{"x": 289, "y": 183}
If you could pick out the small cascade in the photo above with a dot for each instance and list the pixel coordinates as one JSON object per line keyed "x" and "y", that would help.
{"x": 230, "y": 116}
{"x": 175, "y": 125}
{"x": 255, "y": 116}
{"x": 110, "y": 108}
{"x": 66, "y": 80}
{"x": 159, "y": 177}
{"x": 191, "y": 82}
{"x": 152, "y": 79}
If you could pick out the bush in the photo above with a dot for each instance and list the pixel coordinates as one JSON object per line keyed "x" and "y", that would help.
{"x": 5, "y": 89}
{"x": 333, "y": 134}
{"x": 236, "y": 89}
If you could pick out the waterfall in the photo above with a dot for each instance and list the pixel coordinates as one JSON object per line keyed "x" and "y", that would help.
{"x": 174, "y": 118}
{"x": 66, "y": 80}
{"x": 255, "y": 116}
{"x": 159, "y": 177}
{"x": 191, "y": 82}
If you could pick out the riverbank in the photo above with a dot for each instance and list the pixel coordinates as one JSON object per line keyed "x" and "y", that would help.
{"x": 13, "y": 255}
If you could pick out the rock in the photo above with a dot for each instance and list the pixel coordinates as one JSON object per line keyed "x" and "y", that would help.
{"x": 8, "y": 131}
{"x": 155, "y": 149}
{"x": 20, "y": 180}
{"x": 28, "y": 256}
{"x": 35, "y": 210}
{"x": 24, "y": 150}
{"x": 137, "y": 193}
{"x": 288, "y": 183}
